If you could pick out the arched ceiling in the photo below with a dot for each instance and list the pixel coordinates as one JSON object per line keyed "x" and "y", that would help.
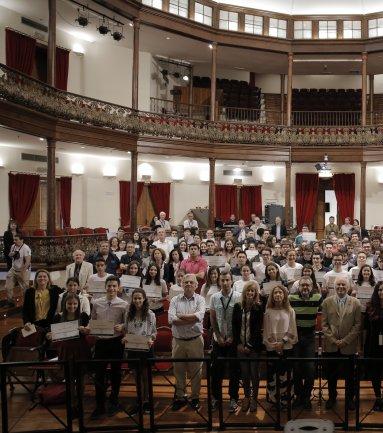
{"x": 311, "y": 7}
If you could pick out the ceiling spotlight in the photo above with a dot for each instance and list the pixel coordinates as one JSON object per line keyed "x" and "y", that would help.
{"x": 211, "y": 46}
{"x": 103, "y": 28}
{"x": 83, "y": 17}
{"x": 117, "y": 36}
{"x": 185, "y": 78}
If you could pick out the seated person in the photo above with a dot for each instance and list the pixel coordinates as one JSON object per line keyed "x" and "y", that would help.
{"x": 190, "y": 222}
{"x": 131, "y": 255}
{"x": 232, "y": 221}
{"x": 80, "y": 269}
{"x": 111, "y": 260}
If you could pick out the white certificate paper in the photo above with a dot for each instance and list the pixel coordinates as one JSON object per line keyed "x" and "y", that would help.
{"x": 96, "y": 286}
{"x": 219, "y": 261}
{"x": 309, "y": 236}
{"x": 154, "y": 292}
{"x": 103, "y": 328}
{"x": 137, "y": 342}
{"x": 293, "y": 274}
{"x": 130, "y": 281}
{"x": 269, "y": 286}
{"x": 251, "y": 254}
{"x": 65, "y": 330}
{"x": 32, "y": 330}
{"x": 378, "y": 274}
{"x": 319, "y": 276}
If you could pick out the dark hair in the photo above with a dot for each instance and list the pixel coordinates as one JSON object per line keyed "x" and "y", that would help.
{"x": 194, "y": 245}
{"x": 373, "y": 307}
{"x": 37, "y": 274}
{"x": 278, "y": 275}
{"x": 225, "y": 247}
{"x": 179, "y": 254}
{"x": 12, "y": 221}
{"x": 111, "y": 240}
{"x": 312, "y": 277}
{"x": 134, "y": 262}
{"x": 145, "y": 306}
{"x": 72, "y": 280}
{"x": 163, "y": 254}
{"x": 225, "y": 272}
{"x": 19, "y": 235}
{"x": 66, "y": 298}
{"x": 208, "y": 277}
{"x": 100, "y": 259}
{"x": 112, "y": 278}
{"x": 157, "y": 278}
{"x": 371, "y": 280}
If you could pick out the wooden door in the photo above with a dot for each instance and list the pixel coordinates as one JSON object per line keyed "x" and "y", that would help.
{"x": 145, "y": 208}
{"x": 319, "y": 219}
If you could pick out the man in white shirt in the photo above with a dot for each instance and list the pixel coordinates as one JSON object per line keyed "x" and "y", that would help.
{"x": 186, "y": 313}
{"x": 221, "y": 315}
{"x": 190, "y": 222}
{"x": 256, "y": 224}
{"x": 95, "y": 280}
{"x": 162, "y": 242}
{"x": 347, "y": 226}
{"x": 80, "y": 269}
{"x": 162, "y": 222}
{"x": 21, "y": 268}
{"x": 337, "y": 271}
{"x": 291, "y": 271}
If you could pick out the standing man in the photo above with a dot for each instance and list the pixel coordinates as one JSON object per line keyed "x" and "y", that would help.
{"x": 111, "y": 260}
{"x": 162, "y": 242}
{"x": 306, "y": 305}
{"x": 163, "y": 222}
{"x": 190, "y": 222}
{"x": 221, "y": 316}
{"x": 186, "y": 313}
{"x": 331, "y": 227}
{"x": 195, "y": 263}
{"x": 21, "y": 268}
{"x": 278, "y": 229}
{"x": 80, "y": 269}
{"x": 241, "y": 232}
{"x": 341, "y": 321}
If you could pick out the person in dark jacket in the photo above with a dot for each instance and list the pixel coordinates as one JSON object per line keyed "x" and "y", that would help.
{"x": 374, "y": 345}
{"x": 278, "y": 229}
{"x": 8, "y": 238}
{"x": 111, "y": 260}
{"x": 247, "y": 337}
{"x": 40, "y": 301}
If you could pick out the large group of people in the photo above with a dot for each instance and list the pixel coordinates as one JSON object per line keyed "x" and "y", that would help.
{"x": 252, "y": 291}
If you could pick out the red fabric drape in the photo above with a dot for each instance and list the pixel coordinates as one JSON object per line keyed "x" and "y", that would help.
{"x": 225, "y": 201}
{"x": 125, "y": 200}
{"x": 160, "y": 194}
{"x": 22, "y": 193}
{"x": 62, "y": 67}
{"x": 65, "y": 199}
{"x": 251, "y": 201}
{"x": 344, "y": 187}
{"x": 306, "y": 189}
{"x": 20, "y": 51}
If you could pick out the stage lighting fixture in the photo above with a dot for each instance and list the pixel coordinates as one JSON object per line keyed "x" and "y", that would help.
{"x": 83, "y": 18}
{"x": 103, "y": 28}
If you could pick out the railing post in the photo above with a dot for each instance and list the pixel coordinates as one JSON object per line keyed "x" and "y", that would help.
{"x": 190, "y": 111}
{"x": 371, "y": 82}
{"x": 283, "y": 80}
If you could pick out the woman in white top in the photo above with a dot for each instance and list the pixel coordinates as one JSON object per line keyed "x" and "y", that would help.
{"x": 211, "y": 285}
{"x": 121, "y": 249}
{"x": 279, "y": 336}
{"x": 364, "y": 286}
{"x": 73, "y": 286}
{"x": 153, "y": 278}
{"x": 246, "y": 276}
{"x": 228, "y": 250}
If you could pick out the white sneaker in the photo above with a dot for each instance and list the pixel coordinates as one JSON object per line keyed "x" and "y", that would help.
{"x": 233, "y": 405}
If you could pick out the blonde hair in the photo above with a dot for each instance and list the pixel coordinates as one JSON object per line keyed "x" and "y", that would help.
{"x": 285, "y": 304}
{"x": 250, "y": 285}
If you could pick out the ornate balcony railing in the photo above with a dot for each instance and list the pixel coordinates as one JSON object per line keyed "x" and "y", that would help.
{"x": 28, "y": 92}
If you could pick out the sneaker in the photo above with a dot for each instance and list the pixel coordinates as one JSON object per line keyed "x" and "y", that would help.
{"x": 330, "y": 403}
{"x": 98, "y": 413}
{"x": 245, "y": 404}
{"x": 214, "y": 404}
{"x": 195, "y": 404}
{"x": 253, "y": 404}
{"x": 146, "y": 407}
{"x": 233, "y": 405}
{"x": 113, "y": 408}
{"x": 178, "y": 404}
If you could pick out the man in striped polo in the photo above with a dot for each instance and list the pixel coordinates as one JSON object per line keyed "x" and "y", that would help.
{"x": 306, "y": 305}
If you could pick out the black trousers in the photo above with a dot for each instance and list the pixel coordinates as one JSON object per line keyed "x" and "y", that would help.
{"x": 108, "y": 348}
{"x": 338, "y": 369}
{"x": 218, "y": 370}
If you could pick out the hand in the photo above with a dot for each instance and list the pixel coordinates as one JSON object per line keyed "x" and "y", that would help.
{"x": 27, "y": 326}
{"x": 123, "y": 267}
{"x": 220, "y": 341}
{"x": 229, "y": 341}
{"x": 246, "y": 350}
{"x": 124, "y": 340}
{"x": 279, "y": 347}
{"x": 84, "y": 330}
{"x": 48, "y": 336}
{"x": 119, "y": 328}
{"x": 241, "y": 348}
{"x": 150, "y": 343}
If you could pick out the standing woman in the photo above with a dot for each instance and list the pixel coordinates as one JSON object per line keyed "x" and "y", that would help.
{"x": 158, "y": 257}
{"x": 153, "y": 278}
{"x": 373, "y": 345}
{"x": 141, "y": 321}
{"x": 40, "y": 301}
{"x": 228, "y": 250}
{"x": 364, "y": 286}
{"x": 113, "y": 244}
{"x": 247, "y": 337}
{"x": 12, "y": 230}
{"x": 144, "y": 247}
{"x": 279, "y": 336}
{"x": 175, "y": 259}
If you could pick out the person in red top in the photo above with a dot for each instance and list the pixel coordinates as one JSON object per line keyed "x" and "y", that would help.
{"x": 195, "y": 264}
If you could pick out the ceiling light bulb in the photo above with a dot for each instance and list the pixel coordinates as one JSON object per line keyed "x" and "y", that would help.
{"x": 185, "y": 78}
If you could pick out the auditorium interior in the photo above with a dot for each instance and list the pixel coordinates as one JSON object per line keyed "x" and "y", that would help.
{"x": 113, "y": 111}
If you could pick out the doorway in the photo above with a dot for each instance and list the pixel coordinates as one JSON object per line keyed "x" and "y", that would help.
{"x": 325, "y": 195}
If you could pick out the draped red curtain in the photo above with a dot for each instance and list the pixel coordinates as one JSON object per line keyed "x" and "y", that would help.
{"x": 125, "y": 200}
{"x": 65, "y": 199}
{"x": 20, "y": 51}
{"x": 62, "y": 67}
{"x": 22, "y": 193}
{"x": 306, "y": 190}
{"x": 225, "y": 201}
{"x": 344, "y": 187}
{"x": 251, "y": 201}
{"x": 160, "y": 194}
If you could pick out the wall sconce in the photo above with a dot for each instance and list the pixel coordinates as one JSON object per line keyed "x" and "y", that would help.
{"x": 268, "y": 174}
{"x": 146, "y": 178}
{"x": 109, "y": 171}
{"x": 178, "y": 174}
{"x": 145, "y": 169}
{"x": 204, "y": 176}
{"x": 77, "y": 169}
{"x": 78, "y": 49}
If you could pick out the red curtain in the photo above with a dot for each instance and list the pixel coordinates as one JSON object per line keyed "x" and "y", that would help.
{"x": 125, "y": 200}
{"x": 225, "y": 201}
{"x": 160, "y": 194}
{"x": 62, "y": 67}
{"x": 344, "y": 187}
{"x": 65, "y": 199}
{"x": 306, "y": 189}
{"x": 251, "y": 201}
{"x": 20, "y": 51}
{"x": 22, "y": 193}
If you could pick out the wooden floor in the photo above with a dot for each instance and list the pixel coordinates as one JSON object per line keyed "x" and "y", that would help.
{"x": 23, "y": 416}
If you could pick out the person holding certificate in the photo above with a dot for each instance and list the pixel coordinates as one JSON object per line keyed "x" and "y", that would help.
{"x": 307, "y": 271}
{"x": 127, "y": 288}
{"x": 246, "y": 276}
{"x": 140, "y": 333}
{"x": 158, "y": 257}
{"x": 364, "y": 286}
{"x": 109, "y": 311}
{"x": 373, "y": 347}
{"x": 291, "y": 271}
{"x": 271, "y": 280}
{"x": 247, "y": 336}
{"x": 96, "y": 282}
{"x": 73, "y": 286}
{"x": 155, "y": 288}
{"x": 175, "y": 259}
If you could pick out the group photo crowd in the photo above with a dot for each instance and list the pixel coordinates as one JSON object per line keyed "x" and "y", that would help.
{"x": 237, "y": 295}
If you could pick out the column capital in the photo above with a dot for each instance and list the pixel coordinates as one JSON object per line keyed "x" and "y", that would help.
{"x": 136, "y": 22}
